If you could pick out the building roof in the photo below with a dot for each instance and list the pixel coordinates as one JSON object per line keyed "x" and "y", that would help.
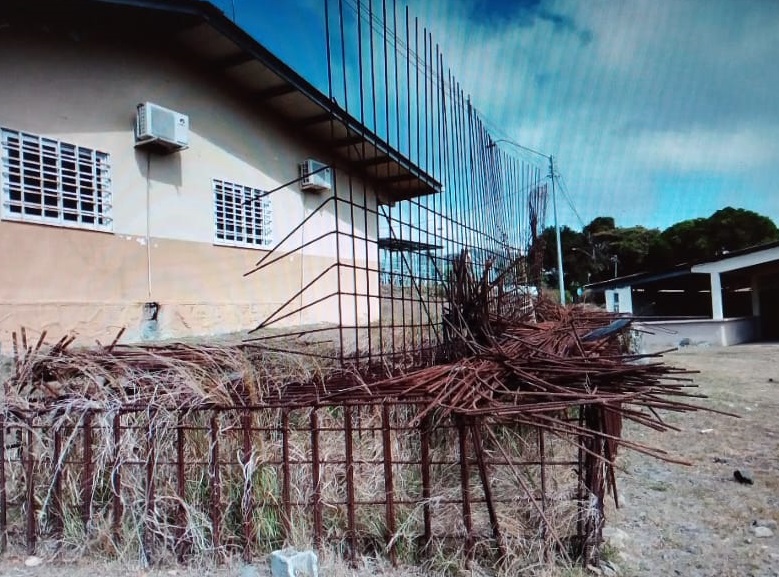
{"x": 199, "y": 30}
{"x": 729, "y": 261}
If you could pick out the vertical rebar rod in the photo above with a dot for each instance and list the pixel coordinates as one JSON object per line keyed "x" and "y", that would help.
{"x": 151, "y": 469}
{"x": 336, "y": 212}
{"x": 315, "y": 479}
{"x": 465, "y": 487}
{"x": 349, "y": 464}
{"x": 542, "y": 461}
{"x": 371, "y": 49}
{"x": 478, "y": 448}
{"x": 424, "y": 327}
{"x": 3, "y": 497}
{"x": 116, "y": 480}
{"x": 387, "y": 126}
{"x": 181, "y": 488}
{"x": 215, "y": 485}
{"x": 424, "y": 446}
{"x": 365, "y": 190}
{"x": 247, "y": 502}
{"x": 389, "y": 485}
{"x": 328, "y": 51}
{"x": 87, "y": 473}
{"x": 56, "y": 502}
{"x": 581, "y": 506}
{"x": 31, "y": 532}
{"x": 286, "y": 476}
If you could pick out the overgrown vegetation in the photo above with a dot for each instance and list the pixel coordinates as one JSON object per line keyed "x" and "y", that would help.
{"x": 602, "y": 250}
{"x": 144, "y": 454}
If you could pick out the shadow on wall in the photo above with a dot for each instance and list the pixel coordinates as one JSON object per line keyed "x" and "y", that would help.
{"x": 164, "y": 168}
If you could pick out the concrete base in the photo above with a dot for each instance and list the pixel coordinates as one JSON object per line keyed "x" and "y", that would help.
{"x": 708, "y": 332}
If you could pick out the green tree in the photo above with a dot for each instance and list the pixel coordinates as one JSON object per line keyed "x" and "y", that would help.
{"x": 631, "y": 247}
{"x": 602, "y": 248}
{"x": 724, "y": 231}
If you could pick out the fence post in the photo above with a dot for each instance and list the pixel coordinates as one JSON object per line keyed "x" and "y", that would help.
{"x": 465, "y": 486}
{"x": 3, "y": 502}
{"x": 389, "y": 488}
{"x": 30, "y": 490}
{"x": 349, "y": 465}
{"x": 287, "y": 481}
{"x": 247, "y": 500}
{"x": 87, "y": 481}
{"x": 424, "y": 433}
{"x": 317, "y": 495}
{"x": 215, "y": 487}
{"x": 116, "y": 480}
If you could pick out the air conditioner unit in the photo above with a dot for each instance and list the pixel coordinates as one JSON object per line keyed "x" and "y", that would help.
{"x": 315, "y": 176}
{"x": 160, "y": 128}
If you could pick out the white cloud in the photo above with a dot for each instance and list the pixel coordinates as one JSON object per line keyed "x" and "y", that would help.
{"x": 626, "y": 92}
{"x": 710, "y": 150}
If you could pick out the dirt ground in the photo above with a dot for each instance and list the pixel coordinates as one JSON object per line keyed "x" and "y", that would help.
{"x": 694, "y": 521}
{"x": 697, "y": 521}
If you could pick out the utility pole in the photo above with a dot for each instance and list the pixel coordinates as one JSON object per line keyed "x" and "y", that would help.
{"x": 560, "y": 277}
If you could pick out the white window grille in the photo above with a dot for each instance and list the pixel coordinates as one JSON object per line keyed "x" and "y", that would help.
{"x": 52, "y": 182}
{"x": 243, "y": 216}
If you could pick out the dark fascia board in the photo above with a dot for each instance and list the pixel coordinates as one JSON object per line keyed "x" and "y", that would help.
{"x": 220, "y": 22}
{"x": 639, "y": 278}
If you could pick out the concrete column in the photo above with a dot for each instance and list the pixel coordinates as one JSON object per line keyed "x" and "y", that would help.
{"x": 755, "y": 296}
{"x": 716, "y": 296}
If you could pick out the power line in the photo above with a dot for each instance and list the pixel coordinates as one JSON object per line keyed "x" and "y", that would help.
{"x": 569, "y": 200}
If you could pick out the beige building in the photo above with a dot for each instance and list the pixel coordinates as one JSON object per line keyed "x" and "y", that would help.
{"x": 99, "y": 231}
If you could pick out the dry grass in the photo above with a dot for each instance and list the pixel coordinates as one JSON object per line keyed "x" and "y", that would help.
{"x": 63, "y": 390}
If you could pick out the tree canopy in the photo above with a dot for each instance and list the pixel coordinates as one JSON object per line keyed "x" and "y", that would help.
{"x": 602, "y": 250}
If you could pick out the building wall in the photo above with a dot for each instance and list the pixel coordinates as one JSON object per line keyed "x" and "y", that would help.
{"x": 619, "y": 300}
{"x": 162, "y": 247}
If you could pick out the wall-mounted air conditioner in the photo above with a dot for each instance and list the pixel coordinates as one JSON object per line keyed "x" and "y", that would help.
{"x": 162, "y": 129}
{"x": 315, "y": 176}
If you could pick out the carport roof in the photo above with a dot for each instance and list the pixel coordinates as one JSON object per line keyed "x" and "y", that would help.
{"x": 202, "y": 32}
{"x": 727, "y": 262}
{"x": 639, "y": 278}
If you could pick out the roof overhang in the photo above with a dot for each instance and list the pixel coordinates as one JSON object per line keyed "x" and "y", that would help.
{"x": 638, "y": 279}
{"x": 739, "y": 261}
{"x": 202, "y": 31}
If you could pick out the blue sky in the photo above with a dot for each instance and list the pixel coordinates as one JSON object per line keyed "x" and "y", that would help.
{"x": 655, "y": 110}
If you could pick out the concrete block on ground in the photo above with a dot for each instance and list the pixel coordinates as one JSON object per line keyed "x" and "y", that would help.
{"x": 293, "y": 563}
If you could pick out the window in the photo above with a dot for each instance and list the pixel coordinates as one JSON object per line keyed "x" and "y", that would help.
{"x": 52, "y": 182}
{"x": 243, "y": 216}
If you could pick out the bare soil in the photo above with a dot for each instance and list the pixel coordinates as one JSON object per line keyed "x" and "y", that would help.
{"x": 694, "y": 521}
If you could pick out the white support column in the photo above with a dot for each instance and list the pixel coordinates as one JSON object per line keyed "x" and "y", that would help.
{"x": 716, "y": 296}
{"x": 755, "y": 296}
